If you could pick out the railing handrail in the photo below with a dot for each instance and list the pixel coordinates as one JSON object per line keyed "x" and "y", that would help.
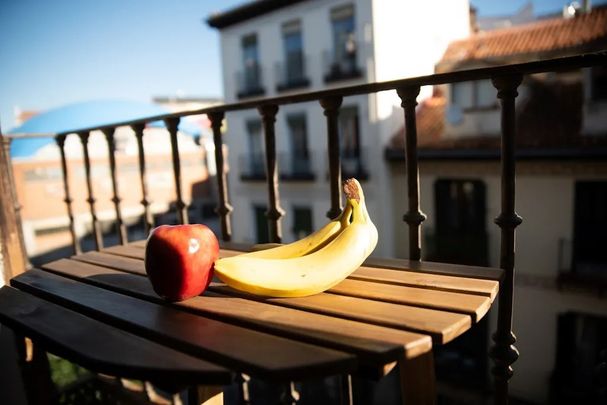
{"x": 548, "y": 65}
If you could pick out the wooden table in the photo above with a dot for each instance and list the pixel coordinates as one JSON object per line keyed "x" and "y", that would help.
{"x": 99, "y": 310}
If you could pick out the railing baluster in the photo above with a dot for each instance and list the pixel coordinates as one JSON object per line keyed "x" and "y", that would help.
{"x": 503, "y": 352}
{"x": 148, "y": 221}
{"x": 111, "y": 145}
{"x": 331, "y": 110}
{"x": 274, "y": 213}
{"x": 224, "y": 208}
{"x": 84, "y": 139}
{"x": 414, "y": 216}
{"x": 60, "y": 140}
{"x": 172, "y": 125}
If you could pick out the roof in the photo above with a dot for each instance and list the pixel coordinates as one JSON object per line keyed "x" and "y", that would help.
{"x": 247, "y": 11}
{"x": 583, "y": 33}
{"x": 539, "y": 133}
{"x": 430, "y": 122}
{"x": 88, "y": 114}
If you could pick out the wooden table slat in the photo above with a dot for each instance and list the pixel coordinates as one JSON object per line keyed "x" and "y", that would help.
{"x": 431, "y": 281}
{"x": 233, "y": 346}
{"x": 126, "y": 250}
{"x": 100, "y": 347}
{"x": 375, "y": 344}
{"x": 474, "y": 305}
{"x": 442, "y": 326}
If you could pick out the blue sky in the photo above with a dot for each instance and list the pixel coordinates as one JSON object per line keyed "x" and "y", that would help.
{"x": 63, "y": 51}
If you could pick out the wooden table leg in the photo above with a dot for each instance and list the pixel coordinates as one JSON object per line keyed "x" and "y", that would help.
{"x": 35, "y": 371}
{"x": 417, "y": 379}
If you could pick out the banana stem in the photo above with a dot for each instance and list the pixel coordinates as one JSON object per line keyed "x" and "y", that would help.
{"x": 352, "y": 189}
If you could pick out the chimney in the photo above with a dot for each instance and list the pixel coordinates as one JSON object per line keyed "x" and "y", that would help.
{"x": 575, "y": 9}
{"x": 473, "y": 21}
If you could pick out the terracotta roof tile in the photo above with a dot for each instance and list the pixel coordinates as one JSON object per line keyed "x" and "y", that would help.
{"x": 587, "y": 30}
{"x": 430, "y": 120}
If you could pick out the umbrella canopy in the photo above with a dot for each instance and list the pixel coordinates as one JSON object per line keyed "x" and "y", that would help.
{"x": 73, "y": 117}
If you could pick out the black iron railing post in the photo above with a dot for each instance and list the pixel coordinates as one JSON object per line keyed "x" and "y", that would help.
{"x": 331, "y": 110}
{"x": 172, "y": 125}
{"x": 111, "y": 145}
{"x": 224, "y": 208}
{"x": 414, "y": 216}
{"x": 275, "y": 212}
{"x": 148, "y": 221}
{"x": 84, "y": 139}
{"x": 503, "y": 352}
{"x": 60, "y": 140}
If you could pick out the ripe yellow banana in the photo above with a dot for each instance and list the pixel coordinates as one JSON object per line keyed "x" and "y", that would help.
{"x": 310, "y": 274}
{"x": 310, "y": 243}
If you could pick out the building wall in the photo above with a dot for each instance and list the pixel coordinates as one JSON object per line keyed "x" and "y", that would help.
{"x": 545, "y": 201}
{"x": 387, "y": 34}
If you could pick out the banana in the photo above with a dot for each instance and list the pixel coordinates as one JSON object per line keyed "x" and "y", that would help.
{"x": 309, "y": 244}
{"x": 314, "y": 272}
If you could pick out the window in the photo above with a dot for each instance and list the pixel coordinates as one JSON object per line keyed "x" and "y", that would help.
{"x": 599, "y": 83}
{"x": 302, "y": 222}
{"x": 590, "y": 229}
{"x": 460, "y": 235}
{"x": 293, "y": 48}
{"x": 261, "y": 224}
{"x": 349, "y": 143}
{"x": 256, "y": 148}
{"x": 474, "y": 95}
{"x": 580, "y": 340}
{"x": 344, "y": 41}
{"x": 299, "y": 156}
{"x": 251, "y": 77}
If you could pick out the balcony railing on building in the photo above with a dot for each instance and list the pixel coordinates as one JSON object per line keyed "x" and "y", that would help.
{"x": 354, "y": 165}
{"x": 292, "y": 73}
{"x": 291, "y": 167}
{"x": 341, "y": 66}
{"x": 250, "y": 81}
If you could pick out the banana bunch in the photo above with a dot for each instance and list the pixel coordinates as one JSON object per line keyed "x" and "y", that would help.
{"x": 310, "y": 265}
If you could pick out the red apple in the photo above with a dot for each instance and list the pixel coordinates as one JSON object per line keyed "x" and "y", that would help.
{"x": 179, "y": 260}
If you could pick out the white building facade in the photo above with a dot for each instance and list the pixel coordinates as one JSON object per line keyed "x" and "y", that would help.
{"x": 271, "y": 49}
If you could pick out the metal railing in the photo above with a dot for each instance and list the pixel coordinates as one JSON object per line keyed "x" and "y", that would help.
{"x": 506, "y": 79}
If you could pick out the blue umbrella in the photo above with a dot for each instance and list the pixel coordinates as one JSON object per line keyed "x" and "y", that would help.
{"x": 73, "y": 117}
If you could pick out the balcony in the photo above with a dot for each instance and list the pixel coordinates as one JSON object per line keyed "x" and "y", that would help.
{"x": 250, "y": 81}
{"x": 338, "y": 68}
{"x": 579, "y": 275}
{"x": 292, "y": 73}
{"x": 290, "y": 168}
{"x": 354, "y": 166}
{"x": 115, "y": 286}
